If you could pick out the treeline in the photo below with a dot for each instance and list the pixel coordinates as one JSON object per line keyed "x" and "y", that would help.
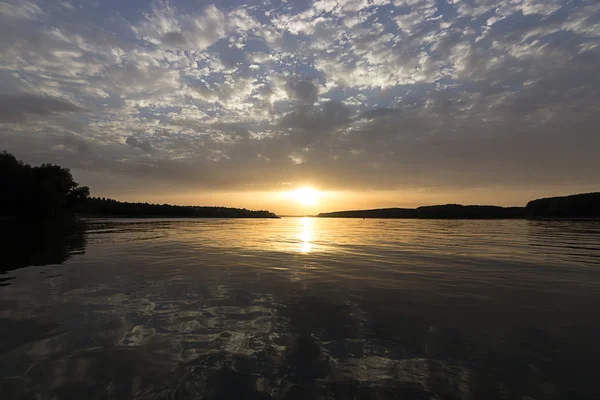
{"x": 376, "y": 213}
{"x": 447, "y": 211}
{"x": 41, "y": 192}
{"x": 96, "y": 206}
{"x": 585, "y": 205}
{"x": 469, "y": 212}
{"x": 49, "y": 191}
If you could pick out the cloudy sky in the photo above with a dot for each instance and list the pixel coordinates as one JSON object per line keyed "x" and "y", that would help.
{"x": 374, "y": 102}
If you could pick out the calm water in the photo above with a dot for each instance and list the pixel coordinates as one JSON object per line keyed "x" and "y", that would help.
{"x": 301, "y": 308}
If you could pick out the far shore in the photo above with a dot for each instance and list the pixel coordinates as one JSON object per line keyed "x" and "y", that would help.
{"x": 150, "y": 216}
{"x": 584, "y": 206}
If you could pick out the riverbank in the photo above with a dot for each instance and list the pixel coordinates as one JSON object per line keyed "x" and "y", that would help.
{"x": 585, "y": 206}
{"x": 157, "y": 216}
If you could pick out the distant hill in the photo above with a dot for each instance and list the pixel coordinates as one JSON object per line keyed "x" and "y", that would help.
{"x": 585, "y": 205}
{"x": 457, "y": 211}
{"x": 447, "y": 211}
{"x": 96, "y": 206}
{"x": 376, "y": 213}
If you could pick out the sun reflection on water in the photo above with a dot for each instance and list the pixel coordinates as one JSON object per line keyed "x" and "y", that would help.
{"x": 306, "y": 235}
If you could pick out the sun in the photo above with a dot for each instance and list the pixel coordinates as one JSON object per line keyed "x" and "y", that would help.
{"x": 306, "y": 195}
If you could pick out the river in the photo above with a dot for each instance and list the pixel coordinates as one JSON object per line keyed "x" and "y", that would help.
{"x": 301, "y": 308}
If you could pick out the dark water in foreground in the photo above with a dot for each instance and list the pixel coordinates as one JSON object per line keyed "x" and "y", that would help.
{"x": 301, "y": 309}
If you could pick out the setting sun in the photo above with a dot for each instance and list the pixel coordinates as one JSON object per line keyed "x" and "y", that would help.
{"x": 305, "y": 195}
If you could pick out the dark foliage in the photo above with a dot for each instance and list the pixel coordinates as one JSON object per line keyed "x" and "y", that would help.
{"x": 457, "y": 211}
{"x": 377, "y": 213}
{"x": 110, "y": 207}
{"x": 46, "y": 191}
{"x": 586, "y": 205}
{"x": 448, "y": 211}
{"x": 49, "y": 191}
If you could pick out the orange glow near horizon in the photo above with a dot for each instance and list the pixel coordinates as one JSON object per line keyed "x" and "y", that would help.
{"x": 311, "y": 200}
{"x": 306, "y": 196}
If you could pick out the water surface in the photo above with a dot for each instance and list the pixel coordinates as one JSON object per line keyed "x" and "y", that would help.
{"x": 301, "y": 308}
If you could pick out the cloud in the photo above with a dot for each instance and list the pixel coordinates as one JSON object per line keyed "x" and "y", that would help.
{"x": 144, "y": 146}
{"x": 366, "y": 94}
{"x": 23, "y": 10}
{"x": 308, "y": 124}
{"x": 306, "y": 91}
{"x": 231, "y": 57}
{"x": 167, "y": 26}
{"x": 377, "y": 113}
{"x": 17, "y": 107}
{"x": 198, "y": 33}
{"x": 143, "y": 72}
{"x": 231, "y": 93}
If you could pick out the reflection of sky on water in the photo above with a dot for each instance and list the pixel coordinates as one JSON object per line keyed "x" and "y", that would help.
{"x": 383, "y": 309}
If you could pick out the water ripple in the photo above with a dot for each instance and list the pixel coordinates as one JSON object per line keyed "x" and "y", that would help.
{"x": 302, "y": 308}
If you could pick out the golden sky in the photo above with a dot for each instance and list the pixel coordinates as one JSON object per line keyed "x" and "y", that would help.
{"x": 287, "y": 202}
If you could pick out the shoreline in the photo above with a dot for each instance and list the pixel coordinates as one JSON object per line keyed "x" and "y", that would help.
{"x": 149, "y": 216}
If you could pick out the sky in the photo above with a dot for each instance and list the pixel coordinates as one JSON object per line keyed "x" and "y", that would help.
{"x": 373, "y": 103}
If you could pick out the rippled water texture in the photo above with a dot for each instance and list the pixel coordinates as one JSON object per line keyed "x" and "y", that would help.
{"x": 301, "y": 308}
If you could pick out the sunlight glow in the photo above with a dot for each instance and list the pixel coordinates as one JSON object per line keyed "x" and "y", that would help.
{"x": 306, "y": 196}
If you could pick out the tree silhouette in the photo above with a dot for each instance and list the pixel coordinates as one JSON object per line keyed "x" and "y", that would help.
{"x": 585, "y": 205}
{"x": 108, "y": 207}
{"x": 45, "y": 191}
{"x": 49, "y": 191}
